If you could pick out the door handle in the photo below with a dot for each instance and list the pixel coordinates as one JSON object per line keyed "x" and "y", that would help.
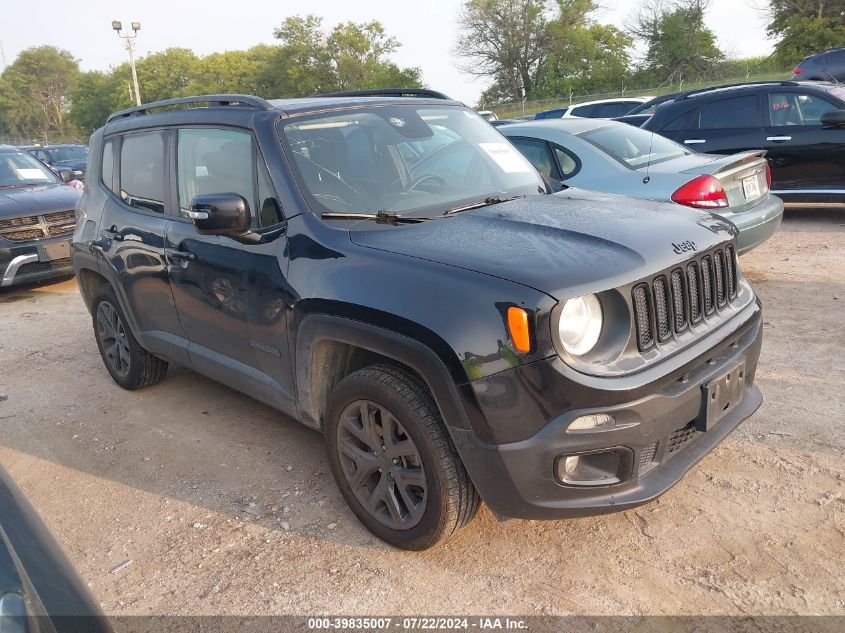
{"x": 694, "y": 141}
{"x": 181, "y": 256}
{"x": 778, "y": 139}
{"x": 112, "y": 234}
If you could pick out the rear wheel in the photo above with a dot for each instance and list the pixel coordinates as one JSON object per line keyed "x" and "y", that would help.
{"x": 394, "y": 461}
{"x": 130, "y": 365}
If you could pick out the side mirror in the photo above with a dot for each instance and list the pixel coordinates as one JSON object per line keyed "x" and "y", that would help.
{"x": 834, "y": 118}
{"x": 65, "y": 174}
{"x": 220, "y": 214}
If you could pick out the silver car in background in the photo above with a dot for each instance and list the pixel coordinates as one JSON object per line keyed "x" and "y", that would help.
{"x": 613, "y": 157}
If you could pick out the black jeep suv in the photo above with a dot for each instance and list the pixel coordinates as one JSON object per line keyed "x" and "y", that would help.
{"x": 388, "y": 270}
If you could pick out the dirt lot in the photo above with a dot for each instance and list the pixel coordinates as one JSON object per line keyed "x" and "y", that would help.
{"x": 225, "y": 506}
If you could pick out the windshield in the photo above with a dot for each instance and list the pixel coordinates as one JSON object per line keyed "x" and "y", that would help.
{"x": 405, "y": 159}
{"x": 19, "y": 169}
{"x": 61, "y": 154}
{"x": 633, "y": 146}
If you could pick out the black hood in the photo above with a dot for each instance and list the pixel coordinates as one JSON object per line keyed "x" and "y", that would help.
{"x": 33, "y": 200}
{"x": 563, "y": 244}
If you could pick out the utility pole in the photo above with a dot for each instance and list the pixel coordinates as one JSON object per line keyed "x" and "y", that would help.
{"x": 130, "y": 47}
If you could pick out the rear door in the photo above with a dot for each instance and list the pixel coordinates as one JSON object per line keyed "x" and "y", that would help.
{"x": 231, "y": 297}
{"x": 723, "y": 125}
{"x": 131, "y": 237}
{"x": 804, "y": 156}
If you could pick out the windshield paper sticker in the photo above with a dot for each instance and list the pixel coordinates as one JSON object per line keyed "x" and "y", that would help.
{"x": 32, "y": 174}
{"x": 507, "y": 157}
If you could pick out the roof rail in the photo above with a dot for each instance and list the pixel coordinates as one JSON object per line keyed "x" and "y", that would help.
{"x": 212, "y": 100}
{"x": 773, "y": 82}
{"x": 388, "y": 92}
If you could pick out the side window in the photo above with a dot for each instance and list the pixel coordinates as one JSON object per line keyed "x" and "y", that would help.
{"x": 617, "y": 108}
{"x": 734, "y": 113}
{"x": 569, "y": 164}
{"x": 792, "y": 108}
{"x": 214, "y": 161}
{"x": 142, "y": 171}
{"x": 538, "y": 153}
{"x": 269, "y": 209}
{"x": 107, "y": 166}
{"x": 584, "y": 111}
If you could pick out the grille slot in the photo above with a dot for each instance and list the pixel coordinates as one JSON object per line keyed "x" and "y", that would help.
{"x": 11, "y": 223}
{"x": 679, "y": 300}
{"x": 661, "y": 309}
{"x": 719, "y": 271}
{"x": 694, "y": 296}
{"x": 707, "y": 285}
{"x": 40, "y": 267}
{"x": 730, "y": 261}
{"x": 60, "y": 216}
{"x": 642, "y": 314}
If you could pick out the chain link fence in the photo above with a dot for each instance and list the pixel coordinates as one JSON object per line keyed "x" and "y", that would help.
{"x": 511, "y": 110}
{"x": 50, "y": 139}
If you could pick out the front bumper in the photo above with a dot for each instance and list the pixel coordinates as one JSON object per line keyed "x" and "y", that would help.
{"x": 32, "y": 262}
{"x": 757, "y": 224}
{"x": 657, "y": 444}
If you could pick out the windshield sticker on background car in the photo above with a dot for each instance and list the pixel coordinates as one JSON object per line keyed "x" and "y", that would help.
{"x": 507, "y": 157}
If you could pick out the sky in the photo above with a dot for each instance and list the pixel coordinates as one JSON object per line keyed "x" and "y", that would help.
{"x": 427, "y": 30}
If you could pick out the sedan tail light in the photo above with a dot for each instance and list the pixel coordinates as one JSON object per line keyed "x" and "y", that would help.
{"x": 703, "y": 192}
{"x": 768, "y": 176}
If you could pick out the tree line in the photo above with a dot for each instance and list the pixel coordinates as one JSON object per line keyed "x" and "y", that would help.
{"x": 546, "y": 49}
{"x": 527, "y": 49}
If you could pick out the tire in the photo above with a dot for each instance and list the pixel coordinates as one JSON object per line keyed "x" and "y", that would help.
{"x": 130, "y": 365}
{"x": 411, "y": 490}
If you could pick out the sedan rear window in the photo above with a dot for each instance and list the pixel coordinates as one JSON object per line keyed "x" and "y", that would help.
{"x": 634, "y": 147}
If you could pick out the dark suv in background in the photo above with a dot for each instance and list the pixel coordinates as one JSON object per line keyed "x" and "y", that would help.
{"x": 828, "y": 65}
{"x": 390, "y": 272}
{"x": 801, "y": 125}
{"x": 73, "y": 157}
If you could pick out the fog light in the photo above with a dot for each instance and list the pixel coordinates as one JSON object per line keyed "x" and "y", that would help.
{"x": 593, "y": 422}
{"x": 589, "y": 469}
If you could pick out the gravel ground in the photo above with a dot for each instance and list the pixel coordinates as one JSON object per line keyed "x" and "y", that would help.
{"x": 189, "y": 498}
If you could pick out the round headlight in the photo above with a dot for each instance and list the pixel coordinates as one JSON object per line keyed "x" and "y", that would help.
{"x": 579, "y": 325}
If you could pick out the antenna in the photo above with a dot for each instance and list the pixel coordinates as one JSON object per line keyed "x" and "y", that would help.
{"x": 647, "y": 178}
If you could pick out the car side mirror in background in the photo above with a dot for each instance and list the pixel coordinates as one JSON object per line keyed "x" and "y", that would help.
{"x": 220, "y": 214}
{"x": 65, "y": 174}
{"x": 834, "y": 118}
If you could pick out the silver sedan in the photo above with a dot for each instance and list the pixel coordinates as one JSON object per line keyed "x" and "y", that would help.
{"x": 614, "y": 157}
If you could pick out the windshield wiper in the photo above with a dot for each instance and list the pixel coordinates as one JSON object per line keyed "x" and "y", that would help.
{"x": 382, "y": 217}
{"x": 484, "y": 203}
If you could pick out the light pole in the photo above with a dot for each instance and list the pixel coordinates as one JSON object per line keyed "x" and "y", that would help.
{"x": 130, "y": 46}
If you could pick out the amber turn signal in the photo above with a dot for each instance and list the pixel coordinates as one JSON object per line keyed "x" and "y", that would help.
{"x": 518, "y": 328}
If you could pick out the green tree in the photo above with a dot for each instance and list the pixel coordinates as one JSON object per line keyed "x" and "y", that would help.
{"x": 35, "y": 91}
{"x": 167, "y": 74}
{"x": 506, "y": 40}
{"x": 95, "y": 96}
{"x": 679, "y": 44}
{"x": 804, "y": 27}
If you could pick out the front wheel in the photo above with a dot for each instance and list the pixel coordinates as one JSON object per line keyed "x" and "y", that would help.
{"x": 394, "y": 461}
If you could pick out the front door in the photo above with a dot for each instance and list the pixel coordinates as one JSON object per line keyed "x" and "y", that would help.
{"x": 132, "y": 238}
{"x": 231, "y": 296}
{"x": 723, "y": 126}
{"x": 804, "y": 156}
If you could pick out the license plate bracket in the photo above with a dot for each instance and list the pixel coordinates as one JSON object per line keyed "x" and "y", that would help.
{"x": 56, "y": 250}
{"x": 721, "y": 395}
{"x": 751, "y": 187}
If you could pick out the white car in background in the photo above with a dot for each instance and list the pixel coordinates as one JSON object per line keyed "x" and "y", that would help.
{"x": 600, "y": 109}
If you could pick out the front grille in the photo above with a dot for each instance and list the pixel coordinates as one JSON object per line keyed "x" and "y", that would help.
{"x": 41, "y": 267}
{"x": 35, "y": 227}
{"x": 680, "y": 438}
{"x": 691, "y": 293}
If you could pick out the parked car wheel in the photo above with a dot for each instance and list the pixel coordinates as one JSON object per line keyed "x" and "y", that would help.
{"x": 130, "y": 365}
{"x": 394, "y": 461}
